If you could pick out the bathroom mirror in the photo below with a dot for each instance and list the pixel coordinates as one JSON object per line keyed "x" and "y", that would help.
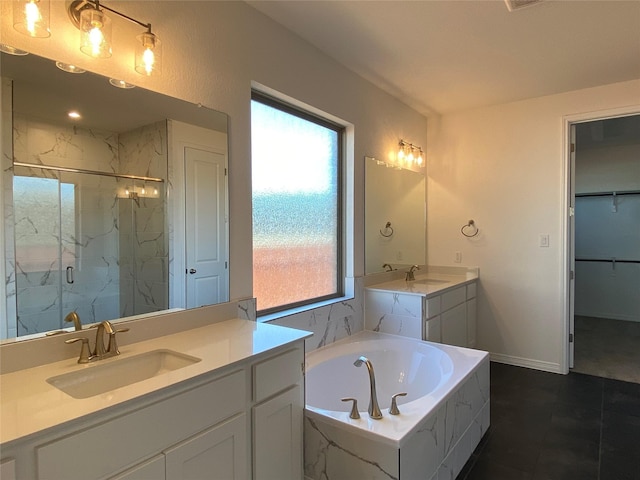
{"x": 395, "y": 217}
{"x": 103, "y": 213}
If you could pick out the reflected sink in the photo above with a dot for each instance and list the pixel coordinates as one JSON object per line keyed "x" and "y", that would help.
{"x": 120, "y": 372}
{"x": 431, "y": 281}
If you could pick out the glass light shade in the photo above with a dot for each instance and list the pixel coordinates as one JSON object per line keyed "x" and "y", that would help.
{"x": 31, "y": 17}
{"x": 95, "y": 33}
{"x": 148, "y": 54}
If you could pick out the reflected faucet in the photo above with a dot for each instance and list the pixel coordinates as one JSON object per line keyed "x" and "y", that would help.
{"x": 410, "y": 276}
{"x": 374, "y": 408}
{"x": 75, "y": 318}
{"x": 388, "y": 267}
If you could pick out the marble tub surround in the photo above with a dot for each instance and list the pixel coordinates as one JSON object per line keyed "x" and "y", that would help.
{"x": 432, "y": 437}
{"x": 30, "y": 405}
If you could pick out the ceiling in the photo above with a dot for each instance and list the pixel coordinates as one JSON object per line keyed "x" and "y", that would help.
{"x": 441, "y": 56}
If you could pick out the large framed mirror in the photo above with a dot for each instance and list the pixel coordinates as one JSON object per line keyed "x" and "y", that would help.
{"x": 115, "y": 199}
{"x": 395, "y": 217}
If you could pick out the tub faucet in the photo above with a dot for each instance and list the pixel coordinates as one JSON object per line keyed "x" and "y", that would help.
{"x": 410, "y": 276}
{"x": 374, "y": 408}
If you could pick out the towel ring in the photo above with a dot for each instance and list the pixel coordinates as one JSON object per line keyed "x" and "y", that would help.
{"x": 388, "y": 230}
{"x": 471, "y": 224}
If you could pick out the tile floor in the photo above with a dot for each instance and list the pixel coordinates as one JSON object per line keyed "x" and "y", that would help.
{"x": 546, "y": 426}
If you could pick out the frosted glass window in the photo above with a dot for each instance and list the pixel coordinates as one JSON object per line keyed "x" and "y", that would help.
{"x": 296, "y": 184}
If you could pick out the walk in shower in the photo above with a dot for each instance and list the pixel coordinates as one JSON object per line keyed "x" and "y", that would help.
{"x": 89, "y": 242}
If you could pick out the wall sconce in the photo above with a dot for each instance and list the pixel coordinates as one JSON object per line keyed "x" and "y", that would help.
{"x": 139, "y": 191}
{"x": 31, "y": 17}
{"x": 409, "y": 154}
{"x": 95, "y": 35}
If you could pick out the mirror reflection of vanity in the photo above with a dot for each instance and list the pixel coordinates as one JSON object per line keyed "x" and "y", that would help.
{"x": 395, "y": 217}
{"x": 119, "y": 213}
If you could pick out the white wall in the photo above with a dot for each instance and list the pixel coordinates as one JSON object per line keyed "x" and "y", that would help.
{"x": 504, "y": 167}
{"x": 213, "y": 51}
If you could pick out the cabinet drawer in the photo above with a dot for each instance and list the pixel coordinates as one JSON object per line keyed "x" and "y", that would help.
{"x": 118, "y": 443}
{"x": 453, "y": 298}
{"x": 471, "y": 290}
{"x": 432, "y": 307}
{"x": 277, "y": 374}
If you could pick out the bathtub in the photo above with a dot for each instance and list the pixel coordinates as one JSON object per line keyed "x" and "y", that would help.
{"x": 442, "y": 418}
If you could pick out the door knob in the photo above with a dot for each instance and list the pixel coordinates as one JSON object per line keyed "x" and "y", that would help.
{"x": 192, "y": 271}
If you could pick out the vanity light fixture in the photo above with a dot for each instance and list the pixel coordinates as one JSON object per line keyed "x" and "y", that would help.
{"x": 74, "y": 115}
{"x": 31, "y": 17}
{"x": 408, "y": 154}
{"x": 95, "y": 35}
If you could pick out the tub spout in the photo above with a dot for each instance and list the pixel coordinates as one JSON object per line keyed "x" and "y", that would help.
{"x": 374, "y": 408}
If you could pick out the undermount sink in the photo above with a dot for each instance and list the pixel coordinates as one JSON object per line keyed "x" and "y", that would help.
{"x": 431, "y": 281}
{"x": 120, "y": 372}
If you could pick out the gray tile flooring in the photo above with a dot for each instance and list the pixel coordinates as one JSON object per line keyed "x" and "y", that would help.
{"x": 546, "y": 426}
{"x": 607, "y": 348}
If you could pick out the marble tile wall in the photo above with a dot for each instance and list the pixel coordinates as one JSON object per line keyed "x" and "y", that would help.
{"x": 331, "y": 322}
{"x": 437, "y": 450}
{"x": 395, "y": 313}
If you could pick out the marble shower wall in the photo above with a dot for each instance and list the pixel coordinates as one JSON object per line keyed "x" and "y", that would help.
{"x": 144, "y": 247}
{"x": 91, "y": 236}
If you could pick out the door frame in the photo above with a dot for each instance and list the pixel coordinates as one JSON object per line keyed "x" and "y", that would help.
{"x": 568, "y": 121}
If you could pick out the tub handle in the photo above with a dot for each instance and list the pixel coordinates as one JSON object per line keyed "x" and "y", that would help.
{"x": 393, "y": 409}
{"x": 354, "y": 407}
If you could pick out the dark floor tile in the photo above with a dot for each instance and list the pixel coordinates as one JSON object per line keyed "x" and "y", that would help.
{"x": 569, "y": 421}
{"x": 527, "y": 421}
{"x": 583, "y": 390}
{"x": 484, "y": 469}
{"x": 614, "y": 466}
{"x": 620, "y": 434}
{"x": 512, "y": 449}
{"x": 623, "y": 397}
{"x": 571, "y": 461}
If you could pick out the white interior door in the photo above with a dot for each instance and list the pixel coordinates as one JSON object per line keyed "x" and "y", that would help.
{"x": 205, "y": 227}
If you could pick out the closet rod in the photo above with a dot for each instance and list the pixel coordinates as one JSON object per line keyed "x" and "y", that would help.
{"x": 606, "y": 260}
{"x": 608, "y": 194}
{"x": 88, "y": 172}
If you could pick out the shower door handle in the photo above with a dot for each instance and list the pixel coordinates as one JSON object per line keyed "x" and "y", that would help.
{"x": 69, "y": 274}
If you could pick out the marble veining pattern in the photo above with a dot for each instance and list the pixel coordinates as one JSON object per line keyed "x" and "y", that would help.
{"x": 436, "y": 449}
{"x": 329, "y": 323}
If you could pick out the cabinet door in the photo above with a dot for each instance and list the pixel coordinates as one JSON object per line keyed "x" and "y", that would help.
{"x": 471, "y": 323}
{"x": 219, "y": 453}
{"x": 8, "y": 469}
{"x": 153, "y": 468}
{"x": 454, "y": 326}
{"x": 277, "y": 436}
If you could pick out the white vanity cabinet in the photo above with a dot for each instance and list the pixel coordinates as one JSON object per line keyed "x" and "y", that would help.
{"x": 451, "y": 316}
{"x": 242, "y": 421}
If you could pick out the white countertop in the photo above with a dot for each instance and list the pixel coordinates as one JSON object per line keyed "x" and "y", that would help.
{"x": 429, "y": 284}
{"x": 28, "y": 404}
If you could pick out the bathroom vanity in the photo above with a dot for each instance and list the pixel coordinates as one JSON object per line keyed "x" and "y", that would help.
{"x": 232, "y": 409}
{"x": 438, "y": 306}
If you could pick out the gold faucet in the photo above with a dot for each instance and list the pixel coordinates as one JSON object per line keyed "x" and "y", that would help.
{"x": 410, "y": 276}
{"x": 99, "y": 351}
{"x": 75, "y": 318}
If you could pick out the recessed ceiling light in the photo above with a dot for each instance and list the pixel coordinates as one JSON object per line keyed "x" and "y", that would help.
{"x": 12, "y": 50}
{"x": 120, "y": 83}
{"x": 67, "y": 67}
{"x": 73, "y": 114}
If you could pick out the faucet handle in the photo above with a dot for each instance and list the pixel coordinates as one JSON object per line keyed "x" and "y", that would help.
{"x": 354, "y": 407}
{"x": 393, "y": 409}
{"x": 85, "y": 353}
{"x": 112, "y": 346}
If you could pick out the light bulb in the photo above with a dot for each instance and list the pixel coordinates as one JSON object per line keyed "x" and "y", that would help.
{"x": 148, "y": 54}
{"x": 31, "y": 17}
{"x": 95, "y": 33}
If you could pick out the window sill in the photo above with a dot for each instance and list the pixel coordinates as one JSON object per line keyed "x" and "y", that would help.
{"x": 293, "y": 311}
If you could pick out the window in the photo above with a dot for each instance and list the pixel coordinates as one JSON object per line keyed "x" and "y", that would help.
{"x": 297, "y": 206}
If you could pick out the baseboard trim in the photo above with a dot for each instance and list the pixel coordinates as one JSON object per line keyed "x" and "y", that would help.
{"x": 526, "y": 362}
